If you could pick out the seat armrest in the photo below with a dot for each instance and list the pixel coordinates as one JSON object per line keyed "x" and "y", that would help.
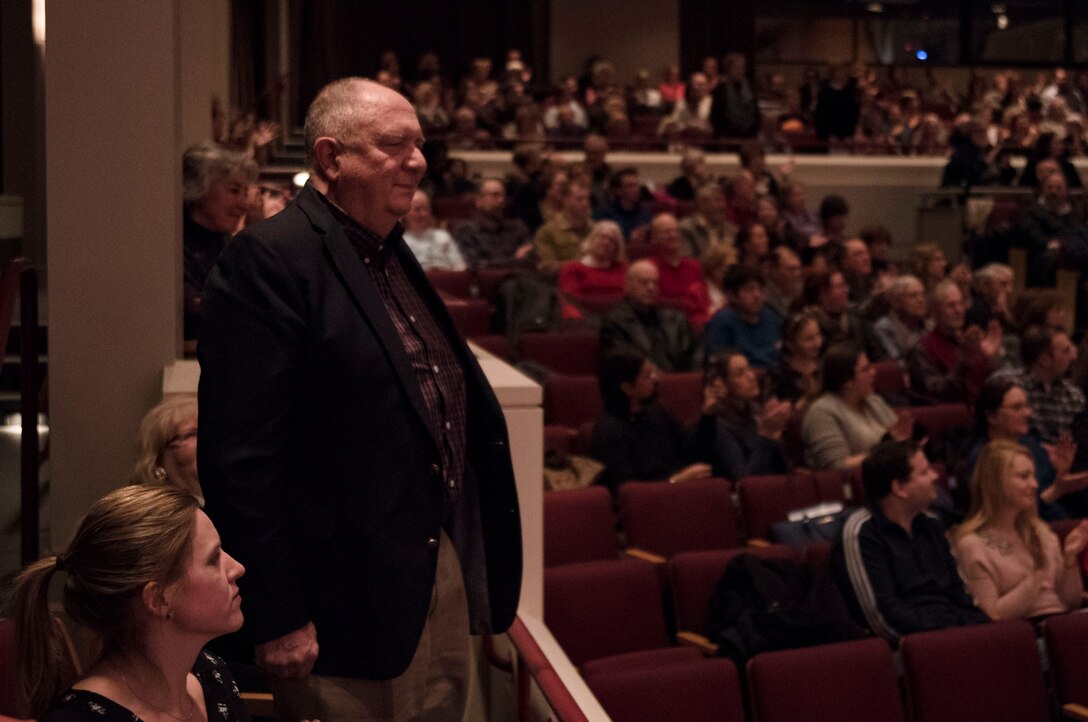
{"x": 643, "y": 555}
{"x": 692, "y": 639}
{"x": 258, "y": 704}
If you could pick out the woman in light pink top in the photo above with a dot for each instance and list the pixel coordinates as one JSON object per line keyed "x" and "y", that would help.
{"x": 1011, "y": 562}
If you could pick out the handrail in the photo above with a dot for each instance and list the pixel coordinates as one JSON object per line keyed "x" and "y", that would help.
{"x": 533, "y": 666}
{"x": 28, "y": 409}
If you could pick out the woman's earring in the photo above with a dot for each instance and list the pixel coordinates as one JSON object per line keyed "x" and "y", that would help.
{"x": 159, "y": 473}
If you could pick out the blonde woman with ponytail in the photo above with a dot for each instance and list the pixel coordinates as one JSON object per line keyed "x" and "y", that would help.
{"x": 1011, "y": 562}
{"x": 144, "y": 573}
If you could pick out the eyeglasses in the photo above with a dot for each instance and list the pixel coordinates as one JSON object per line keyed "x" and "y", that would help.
{"x": 181, "y": 439}
{"x": 1019, "y": 406}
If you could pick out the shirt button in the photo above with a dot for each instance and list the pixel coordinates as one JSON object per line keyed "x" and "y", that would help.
{"x": 366, "y": 261}
{"x": 432, "y": 542}
{"x": 412, "y": 319}
{"x": 449, "y": 425}
{"x": 436, "y": 369}
{"x": 452, "y": 483}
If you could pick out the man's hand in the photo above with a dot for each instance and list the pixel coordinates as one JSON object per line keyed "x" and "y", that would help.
{"x": 694, "y": 471}
{"x": 291, "y": 656}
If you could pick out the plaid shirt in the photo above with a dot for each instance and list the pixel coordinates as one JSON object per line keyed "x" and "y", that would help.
{"x": 1053, "y": 408}
{"x": 441, "y": 378}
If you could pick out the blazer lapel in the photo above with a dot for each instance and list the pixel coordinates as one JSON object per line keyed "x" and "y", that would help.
{"x": 349, "y": 268}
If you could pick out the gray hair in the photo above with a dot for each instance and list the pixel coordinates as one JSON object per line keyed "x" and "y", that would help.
{"x": 600, "y": 227}
{"x": 992, "y": 272}
{"x": 901, "y": 285}
{"x": 207, "y": 163}
{"x": 335, "y": 111}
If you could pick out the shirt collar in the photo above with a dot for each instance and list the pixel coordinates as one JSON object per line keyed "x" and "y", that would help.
{"x": 368, "y": 243}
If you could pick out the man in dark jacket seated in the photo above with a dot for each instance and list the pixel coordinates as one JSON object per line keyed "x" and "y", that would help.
{"x": 635, "y": 437}
{"x": 640, "y": 322}
{"x": 893, "y": 560}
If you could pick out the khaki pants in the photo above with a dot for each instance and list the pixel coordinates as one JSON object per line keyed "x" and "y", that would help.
{"x": 433, "y": 688}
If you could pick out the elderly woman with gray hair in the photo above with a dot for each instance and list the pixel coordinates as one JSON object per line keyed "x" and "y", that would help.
{"x": 215, "y": 184}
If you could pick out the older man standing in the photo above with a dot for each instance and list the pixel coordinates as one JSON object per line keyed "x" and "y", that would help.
{"x": 352, "y": 453}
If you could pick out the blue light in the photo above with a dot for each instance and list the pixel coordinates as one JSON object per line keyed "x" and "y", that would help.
{"x": 921, "y": 55}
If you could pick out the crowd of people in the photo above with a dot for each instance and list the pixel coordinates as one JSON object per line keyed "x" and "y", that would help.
{"x": 782, "y": 307}
{"x": 866, "y": 109}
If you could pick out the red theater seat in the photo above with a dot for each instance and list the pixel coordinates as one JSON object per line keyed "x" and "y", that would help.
{"x": 765, "y": 500}
{"x": 982, "y": 672}
{"x": 563, "y": 353}
{"x": 848, "y": 682}
{"x": 692, "y": 690}
{"x": 665, "y": 519}
{"x": 579, "y": 526}
{"x": 1067, "y": 645}
{"x": 571, "y": 400}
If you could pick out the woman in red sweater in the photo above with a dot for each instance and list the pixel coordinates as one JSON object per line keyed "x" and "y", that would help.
{"x": 598, "y": 275}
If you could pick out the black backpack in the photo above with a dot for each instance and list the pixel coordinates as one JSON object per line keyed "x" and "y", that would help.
{"x": 762, "y": 605}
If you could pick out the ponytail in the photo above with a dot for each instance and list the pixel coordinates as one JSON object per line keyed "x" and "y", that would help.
{"x": 43, "y": 658}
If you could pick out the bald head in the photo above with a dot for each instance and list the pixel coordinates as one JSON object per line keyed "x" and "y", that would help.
{"x": 641, "y": 284}
{"x": 344, "y": 107}
{"x": 665, "y": 234}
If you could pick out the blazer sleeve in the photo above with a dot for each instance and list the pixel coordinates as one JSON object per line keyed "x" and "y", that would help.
{"x": 251, "y": 349}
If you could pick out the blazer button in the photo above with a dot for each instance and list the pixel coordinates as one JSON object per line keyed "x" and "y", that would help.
{"x": 435, "y": 469}
{"x": 432, "y": 542}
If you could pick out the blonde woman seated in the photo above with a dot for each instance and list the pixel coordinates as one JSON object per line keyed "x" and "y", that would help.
{"x": 168, "y": 446}
{"x": 144, "y": 573}
{"x": 1011, "y": 562}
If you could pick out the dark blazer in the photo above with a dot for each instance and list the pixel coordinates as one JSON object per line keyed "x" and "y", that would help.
{"x": 317, "y": 467}
{"x": 623, "y": 329}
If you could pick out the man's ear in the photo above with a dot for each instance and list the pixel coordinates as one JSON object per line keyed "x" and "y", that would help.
{"x": 897, "y": 488}
{"x": 327, "y": 157}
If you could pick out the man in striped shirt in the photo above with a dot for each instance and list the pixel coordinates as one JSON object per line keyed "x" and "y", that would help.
{"x": 893, "y": 556}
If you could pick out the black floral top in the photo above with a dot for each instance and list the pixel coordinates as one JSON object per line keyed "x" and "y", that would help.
{"x": 221, "y": 699}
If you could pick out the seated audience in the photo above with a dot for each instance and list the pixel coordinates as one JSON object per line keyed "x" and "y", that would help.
{"x": 1013, "y": 565}
{"x": 949, "y": 364}
{"x": 905, "y": 323}
{"x": 990, "y": 297}
{"x": 215, "y": 183}
{"x": 753, "y": 245}
{"x": 1051, "y": 219}
{"x": 168, "y": 446}
{"x": 797, "y": 378}
{"x": 642, "y": 323}
{"x": 626, "y": 207}
{"x": 672, "y": 85}
{"x": 707, "y": 226}
{"x": 827, "y": 295}
{"x": 802, "y": 223}
{"x": 693, "y": 174}
{"x": 747, "y": 324}
{"x": 704, "y": 299}
{"x": 972, "y": 161}
{"x": 741, "y": 199}
{"x": 692, "y": 112}
{"x": 737, "y": 436}
{"x": 677, "y": 274}
{"x": 490, "y": 239}
{"x": 1003, "y": 413}
{"x": 826, "y": 246}
{"x": 595, "y": 165}
{"x": 432, "y": 246}
{"x": 560, "y": 239}
{"x": 753, "y": 160}
{"x": 1055, "y": 401}
{"x": 857, "y": 270}
{"x": 849, "y": 419}
{"x": 785, "y": 280}
{"x": 892, "y": 558}
{"x": 635, "y": 437}
{"x": 144, "y": 574}
{"x": 929, "y": 264}
{"x": 599, "y": 274}
{"x": 879, "y": 241}
{"x": 767, "y": 216}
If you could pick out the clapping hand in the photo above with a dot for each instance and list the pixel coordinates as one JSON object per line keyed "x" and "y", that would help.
{"x": 772, "y": 421}
{"x": 903, "y": 428}
{"x": 1061, "y": 454}
{"x": 1076, "y": 540}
